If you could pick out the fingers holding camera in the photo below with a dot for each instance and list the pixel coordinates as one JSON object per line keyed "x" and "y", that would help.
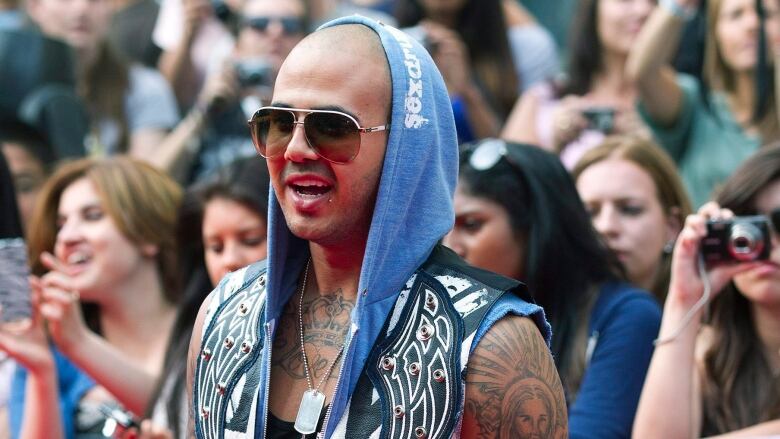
{"x": 568, "y": 122}
{"x": 686, "y": 286}
{"x": 221, "y": 88}
{"x": 25, "y": 341}
{"x": 451, "y": 56}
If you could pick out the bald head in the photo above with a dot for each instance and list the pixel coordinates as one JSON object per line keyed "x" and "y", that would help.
{"x": 354, "y": 43}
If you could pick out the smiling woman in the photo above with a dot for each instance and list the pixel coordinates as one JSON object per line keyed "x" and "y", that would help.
{"x": 105, "y": 253}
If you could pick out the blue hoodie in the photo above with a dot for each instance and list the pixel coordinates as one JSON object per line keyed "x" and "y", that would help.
{"x": 413, "y": 208}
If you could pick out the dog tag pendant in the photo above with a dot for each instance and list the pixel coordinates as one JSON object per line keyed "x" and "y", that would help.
{"x": 309, "y": 412}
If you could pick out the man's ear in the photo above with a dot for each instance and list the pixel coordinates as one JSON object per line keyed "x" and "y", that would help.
{"x": 150, "y": 250}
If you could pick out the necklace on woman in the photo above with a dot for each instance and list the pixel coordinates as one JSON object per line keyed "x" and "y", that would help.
{"x": 313, "y": 401}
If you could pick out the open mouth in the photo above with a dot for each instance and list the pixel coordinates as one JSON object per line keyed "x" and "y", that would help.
{"x": 311, "y": 189}
{"x": 78, "y": 259}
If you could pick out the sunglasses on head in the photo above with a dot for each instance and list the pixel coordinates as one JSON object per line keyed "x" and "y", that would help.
{"x": 290, "y": 25}
{"x": 487, "y": 153}
{"x": 333, "y": 135}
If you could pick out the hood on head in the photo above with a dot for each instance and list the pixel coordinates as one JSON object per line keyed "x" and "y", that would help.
{"x": 413, "y": 209}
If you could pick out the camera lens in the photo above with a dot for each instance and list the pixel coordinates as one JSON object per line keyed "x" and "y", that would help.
{"x": 746, "y": 242}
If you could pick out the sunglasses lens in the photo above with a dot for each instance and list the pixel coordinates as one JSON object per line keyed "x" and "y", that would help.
{"x": 272, "y": 130}
{"x": 291, "y": 25}
{"x": 774, "y": 217}
{"x": 334, "y": 136}
{"x": 487, "y": 154}
{"x": 258, "y": 23}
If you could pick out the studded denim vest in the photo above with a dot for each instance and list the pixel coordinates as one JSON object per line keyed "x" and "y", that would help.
{"x": 414, "y": 381}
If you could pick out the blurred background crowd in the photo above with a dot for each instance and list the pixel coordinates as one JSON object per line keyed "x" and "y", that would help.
{"x": 597, "y": 138}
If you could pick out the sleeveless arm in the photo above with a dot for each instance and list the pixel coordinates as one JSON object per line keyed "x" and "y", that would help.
{"x": 192, "y": 361}
{"x": 512, "y": 387}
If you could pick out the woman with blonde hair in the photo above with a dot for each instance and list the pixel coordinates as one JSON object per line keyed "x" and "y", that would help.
{"x": 105, "y": 294}
{"x": 708, "y": 128}
{"x": 637, "y": 203}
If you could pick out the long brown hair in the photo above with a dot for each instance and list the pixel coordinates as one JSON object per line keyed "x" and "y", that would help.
{"x": 482, "y": 26}
{"x": 669, "y": 187}
{"x": 103, "y": 86}
{"x": 719, "y": 76}
{"x": 738, "y": 386}
{"x": 140, "y": 199}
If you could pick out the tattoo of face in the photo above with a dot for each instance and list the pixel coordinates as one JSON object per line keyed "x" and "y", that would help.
{"x": 326, "y": 320}
{"x": 512, "y": 387}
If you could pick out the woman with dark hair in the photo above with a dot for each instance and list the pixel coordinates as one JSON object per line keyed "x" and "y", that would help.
{"x": 596, "y": 98}
{"x": 708, "y": 127}
{"x": 105, "y": 294}
{"x": 479, "y": 57}
{"x": 221, "y": 228}
{"x": 720, "y": 374}
{"x": 517, "y": 213}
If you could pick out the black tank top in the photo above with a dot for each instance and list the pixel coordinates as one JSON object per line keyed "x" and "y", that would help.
{"x": 279, "y": 429}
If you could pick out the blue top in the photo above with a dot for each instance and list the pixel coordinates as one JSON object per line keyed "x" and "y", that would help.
{"x": 73, "y": 384}
{"x": 624, "y": 322}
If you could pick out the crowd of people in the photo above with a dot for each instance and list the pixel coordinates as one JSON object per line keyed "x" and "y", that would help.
{"x": 476, "y": 231}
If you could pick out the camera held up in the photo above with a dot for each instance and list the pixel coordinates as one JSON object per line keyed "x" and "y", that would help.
{"x": 740, "y": 239}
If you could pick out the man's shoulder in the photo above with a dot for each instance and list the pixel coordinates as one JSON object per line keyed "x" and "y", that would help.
{"x": 444, "y": 262}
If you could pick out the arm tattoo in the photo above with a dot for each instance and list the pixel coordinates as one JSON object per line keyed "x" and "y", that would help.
{"x": 512, "y": 387}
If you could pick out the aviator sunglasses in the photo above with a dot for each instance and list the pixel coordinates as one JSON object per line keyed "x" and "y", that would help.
{"x": 333, "y": 135}
{"x": 290, "y": 25}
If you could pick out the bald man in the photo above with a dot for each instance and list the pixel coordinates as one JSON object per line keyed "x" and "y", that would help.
{"x": 359, "y": 324}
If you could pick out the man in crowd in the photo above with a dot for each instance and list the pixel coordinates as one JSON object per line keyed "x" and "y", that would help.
{"x": 359, "y": 322}
{"x": 214, "y": 132}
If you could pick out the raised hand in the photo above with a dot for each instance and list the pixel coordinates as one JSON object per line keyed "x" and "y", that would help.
{"x": 25, "y": 341}
{"x": 60, "y": 305}
{"x": 686, "y": 286}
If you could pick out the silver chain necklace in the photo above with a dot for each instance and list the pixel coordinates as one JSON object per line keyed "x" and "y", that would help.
{"x": 313, "y": 401}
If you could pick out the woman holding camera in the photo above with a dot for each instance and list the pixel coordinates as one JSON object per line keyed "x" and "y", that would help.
{"x": 479, "y": 56}
{"x": 106, "y": 294}
{"x": 597, "y": 98}
{"x": 517, "y": 213}
{"x": 720, "y": 373}
{"x": 708, "y": 128}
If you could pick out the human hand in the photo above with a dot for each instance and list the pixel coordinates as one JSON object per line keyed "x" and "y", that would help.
{"x": 60, "y": 305}
{"x": 25, "y": 341}
{"x": 628, "y": 121}
{"x": 451, "y": 56}
{"x": 221, "y": 88}
{"x": 686, "y": 285}
{"x": 148, "y": 430}
{"x": 195, "y": 13}
{"x": 568, "y": 122}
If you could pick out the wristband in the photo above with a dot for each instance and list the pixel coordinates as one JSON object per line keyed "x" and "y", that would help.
{"x": 674, "y": 8}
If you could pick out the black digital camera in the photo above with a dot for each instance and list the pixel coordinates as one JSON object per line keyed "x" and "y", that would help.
{"x": 740, "y": 239}
{"x": 254, "y": 72}
{"x": 600, "y": 118}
